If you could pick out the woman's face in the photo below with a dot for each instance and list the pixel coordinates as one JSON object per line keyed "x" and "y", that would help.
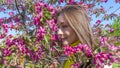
{"x": 65, "y": 32}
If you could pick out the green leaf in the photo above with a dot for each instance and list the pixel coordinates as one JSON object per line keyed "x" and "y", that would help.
{"x": 35, "y": 48}
{"x": 47, "y": 16}
{"x": 2, "y": 1}
{"x": 116, "y": 26}
{"x": 117, "y": 43}
{"x": 116, "y": 65}
{"x": 68, "y": 63}
{"x": 47, "y": 38}
{"x": 1, "y": 65}
{"x": 33, "y": 38}
{"x": 28, "y": 65}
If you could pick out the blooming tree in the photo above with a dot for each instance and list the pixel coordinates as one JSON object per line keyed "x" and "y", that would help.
{"x": 35, "y": 42}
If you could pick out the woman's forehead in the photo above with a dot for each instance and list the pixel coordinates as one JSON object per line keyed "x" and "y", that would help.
{"x": 61, "y": 19}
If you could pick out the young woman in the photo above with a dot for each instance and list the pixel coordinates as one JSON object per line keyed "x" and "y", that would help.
{"x": 74, "y": 27}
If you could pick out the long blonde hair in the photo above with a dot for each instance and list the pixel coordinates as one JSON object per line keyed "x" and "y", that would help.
{"x": 80, "y": 23}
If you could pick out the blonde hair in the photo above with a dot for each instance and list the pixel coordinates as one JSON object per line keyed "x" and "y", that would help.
{"x": 79, "y": 22}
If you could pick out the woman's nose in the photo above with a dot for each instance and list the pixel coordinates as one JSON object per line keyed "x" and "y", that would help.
{"x": 60, "y": 33}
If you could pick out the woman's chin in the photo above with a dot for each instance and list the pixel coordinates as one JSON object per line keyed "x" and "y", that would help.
{"x": 65, "y": 43}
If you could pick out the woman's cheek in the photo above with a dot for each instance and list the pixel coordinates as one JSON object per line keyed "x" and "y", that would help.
{"x": 67, "y": 33}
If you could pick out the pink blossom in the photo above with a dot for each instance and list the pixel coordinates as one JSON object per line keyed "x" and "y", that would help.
{"x": 9, "y": 1}
{"x": 61, "y": 1}
{"x": 103, "y": 1}
{"x": 102, "y": 10}
{"x": 7, "y": 51}
{"x": 90, "y": 5}
{"x": 35, "y": 55}
{"x": 111, "y": 30}
{"x": 103, "y": 41}
{"x": 85, "y": 6}
{"x": 52, "y": 49}
{"x": 98, "y": 22}
{"x": 68, "y": 50}
{"x": 41, "y": 32}
{"x": 2, "y": 9}
{"x": 5, "y": 27}
{"x": 51, "y": 8}
{"x": 9, "y": 42}
{"x": 76, "y": 65}
{"x": 107, "y": 25}
{"x": 27, "y": 52}
{"x": 2, "y": 36}
{"x": 1, "y": 20}
{"x": 52, "y": 24}
{"x": 17, "y": 19}
{"x": 53, "y": 13}
{"x": 4, "y": 61}
{"x": 113, "y": 59}
{"x": 39, "y": 7}
{"x": 113, "y": 47}
{"x": 88, "y": 51}
{"x": 71, "y": 1}
{"x": 11, "y": 14}
{"x": 100, "y": 59}
{"x": 54, "y": 37}
{"x": 117, "y": 1}
{"x": 22, "y": 49}
{"x": 37, "y": 19}
{"x": 45, "y": 5}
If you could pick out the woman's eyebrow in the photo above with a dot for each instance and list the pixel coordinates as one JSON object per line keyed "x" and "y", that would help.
{"x": 61, "y": 23}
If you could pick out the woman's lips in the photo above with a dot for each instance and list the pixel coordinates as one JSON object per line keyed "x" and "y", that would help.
{"x": 64, "y": 38}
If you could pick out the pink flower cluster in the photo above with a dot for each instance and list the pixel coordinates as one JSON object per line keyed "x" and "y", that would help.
{"x": 52, "y": 24}
{"x": 45, "y": 25}
{"x": 102, "y": 58}
{"x": 41, "y": 32}
{"x": 16, "y": 44}
{"x": 97, "y": 23}
{"x": 68, "y": 50}
{"x": 35, "y": 55}
{"x": 103, "y": 42}
{"x": 19, "y": 46}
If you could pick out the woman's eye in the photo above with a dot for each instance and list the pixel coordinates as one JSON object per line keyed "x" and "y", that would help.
{"x": 64, "y": 26}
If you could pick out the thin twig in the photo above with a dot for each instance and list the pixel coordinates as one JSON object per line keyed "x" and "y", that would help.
{"x": 23, "y": 17}
{"x": 17, "y": 8}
